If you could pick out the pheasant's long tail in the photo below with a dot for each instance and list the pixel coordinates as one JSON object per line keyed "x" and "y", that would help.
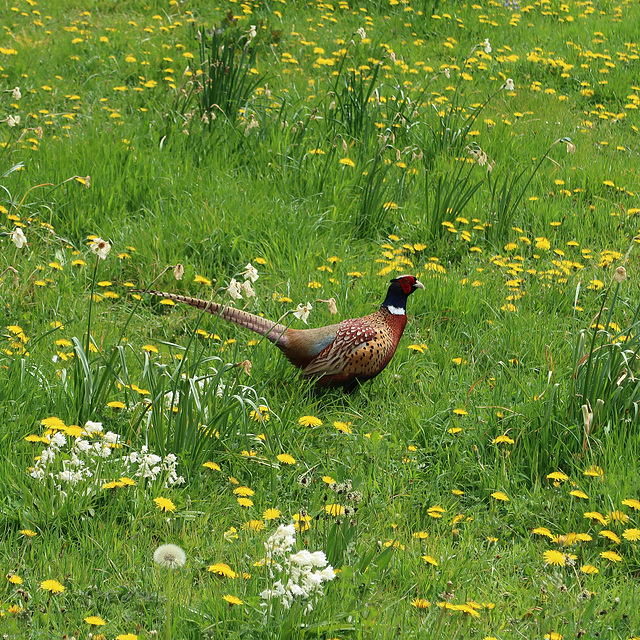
{"x": 273, "y": 331}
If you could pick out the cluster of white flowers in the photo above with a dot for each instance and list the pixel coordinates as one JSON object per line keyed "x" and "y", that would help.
{"x": 302, "y": 574}
{"x": 150, "y": 465}
{"x": 237, "y": 289}
{"x": 71, "y": 459}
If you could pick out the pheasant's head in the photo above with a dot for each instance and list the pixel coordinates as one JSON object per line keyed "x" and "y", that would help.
{"x": 399, "y": 289}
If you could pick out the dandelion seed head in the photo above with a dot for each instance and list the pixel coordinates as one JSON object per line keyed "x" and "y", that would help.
{"x": 169, "y": 556}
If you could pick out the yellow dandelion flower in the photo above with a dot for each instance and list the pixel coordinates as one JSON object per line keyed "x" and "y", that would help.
{"x": 232, "y": 600}
{"x": 334, "y": 510}
{"x": 542, "y": 531}
{"x": 579, "y": 494}
{"x": 556, "y": 558}
{"x": 499, "y": 495}
{"x": 611, "y": 555}
{"x": 309, "y": 421}
{"x": 605, "y": 533}
{"x": 632, "y": 502}
{"x": 285, "y": 458}
{"x": 244, "y": 491}
{"x": 420, "y": 603}
{"x": 430, "y": 560}
{"x": 558, "y": 475}
{"x": 271, "y": 514}
{"x": 96, "y": 621}
{"x": 589, "y": 568}
{"x": 500, "y": 439}
{"x": 53, "y": 586}
{"x": 245, "y": 502}
{"x": 212, "y": 465}
{"x": 164, "y": 504}
{"x": 149, "y": 348}
{"x": 28, "y": 533}
{"x": 223, "y": 569}
{"x": 594, "y": 515}
{"x": 343, "y": 426}
{"x": 594, "y": 472}
{"x": 347, "y": 162}
{"x": 633, "y": 535}
{"x": 254, "y": 525}
{"x": 618, "y": 516}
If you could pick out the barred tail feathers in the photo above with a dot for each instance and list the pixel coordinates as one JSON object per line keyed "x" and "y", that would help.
{"x": 273, "y": 331}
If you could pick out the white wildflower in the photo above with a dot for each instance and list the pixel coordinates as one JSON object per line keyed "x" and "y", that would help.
{"x": 15, "y": 94}
{"x": 18, "y": 238}
{"x": 178, "y": 272}
{"x": 302, "y": 311}
{"x": 508, "y": 85}
{"x": 487, "y": 46}
{"x": 234, "y": 289}
{"x": 247, "y": 289}
{"x": 92, "y": 427}
{"x": 58, "y": 440}
{"x": 250, "y": 273}
{"x": 362, "y": 33}
{"x": 12, "y": 121}
{"x": 100, "y": 247}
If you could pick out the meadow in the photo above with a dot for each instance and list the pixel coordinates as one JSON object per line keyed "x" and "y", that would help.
{"x": 485, "y": 485}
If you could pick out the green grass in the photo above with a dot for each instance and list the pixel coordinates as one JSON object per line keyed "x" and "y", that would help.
{"x": 344, "y": 151}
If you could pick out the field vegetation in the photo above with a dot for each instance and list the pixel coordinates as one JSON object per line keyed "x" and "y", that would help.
{"x": 165, "y": 474}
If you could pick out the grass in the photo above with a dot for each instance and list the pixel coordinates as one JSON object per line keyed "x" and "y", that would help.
{"x": 485, "y": 485}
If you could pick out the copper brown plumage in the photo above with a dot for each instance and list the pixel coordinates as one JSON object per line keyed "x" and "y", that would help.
{"x": 335, "y": 355}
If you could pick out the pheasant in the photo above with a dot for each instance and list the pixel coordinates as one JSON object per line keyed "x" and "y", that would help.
{"x": 337, "y": 355}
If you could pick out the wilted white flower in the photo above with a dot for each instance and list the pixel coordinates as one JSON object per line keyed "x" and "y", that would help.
{"x": 250, "y": 273}
{"x": 362, "y": 33}
{"x": 620, "y": 275}
{"x": 12, "y": 121}
{"x": 18, "y": 238}
{"x": 487, "y": 46}
{"x": 235, "y": 289}
{"x": 571, "y": 148}
{"x": 252, "y": 33}
{"x": 178, "y": 272}
{"x": 100, "y": 247}
{"x": 15, "y": 94}
{"x": 247, "y": 289}
{"x": 302, "y": 311}
{"x": 169, "y": 556}
{"x": 447, "y": 72}
{"x": 508, "y": 85}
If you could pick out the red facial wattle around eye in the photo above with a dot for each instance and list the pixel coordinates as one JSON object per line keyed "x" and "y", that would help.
{"x": 406, "y": 285}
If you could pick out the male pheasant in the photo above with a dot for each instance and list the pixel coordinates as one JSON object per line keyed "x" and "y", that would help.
{"x": 338, "y": 355}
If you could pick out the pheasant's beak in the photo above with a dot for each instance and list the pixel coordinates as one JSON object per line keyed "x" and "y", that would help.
{"x": 418, "y": 285}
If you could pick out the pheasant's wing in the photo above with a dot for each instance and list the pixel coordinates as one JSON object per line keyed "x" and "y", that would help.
{"x": 355, "y": 343}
